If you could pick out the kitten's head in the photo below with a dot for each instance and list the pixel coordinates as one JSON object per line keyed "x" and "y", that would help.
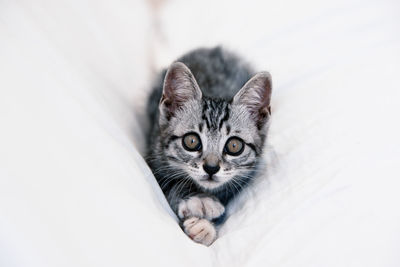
{"x": 214, "y": 141}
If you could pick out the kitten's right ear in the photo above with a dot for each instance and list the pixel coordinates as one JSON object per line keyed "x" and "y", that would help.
{"x": 180, "y": 86}
{"x": 255, "y": 95}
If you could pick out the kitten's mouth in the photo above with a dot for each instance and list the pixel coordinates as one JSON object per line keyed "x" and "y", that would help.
{"x": 209, "y": 178}
{"x": 209, "y": 182}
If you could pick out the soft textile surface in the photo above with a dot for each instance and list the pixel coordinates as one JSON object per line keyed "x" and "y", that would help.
{"x": 74, "y": 190}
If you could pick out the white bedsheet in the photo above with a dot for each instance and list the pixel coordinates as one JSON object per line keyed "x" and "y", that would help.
{"x": 74, "y": 190}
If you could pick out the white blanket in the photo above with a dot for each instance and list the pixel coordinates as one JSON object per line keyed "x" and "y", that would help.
{"x": 75, "y": 191}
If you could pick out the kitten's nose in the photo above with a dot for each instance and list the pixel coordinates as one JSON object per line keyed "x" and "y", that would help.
{"x": 211, "y": 169}
{"x": 211, "y": 164}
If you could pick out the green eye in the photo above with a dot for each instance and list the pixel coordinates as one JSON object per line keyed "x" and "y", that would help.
{"x": 191, "y": 142}
{"x": 234, "y": 146}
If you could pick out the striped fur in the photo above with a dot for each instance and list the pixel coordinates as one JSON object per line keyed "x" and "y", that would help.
{"x": 215, "y": 113}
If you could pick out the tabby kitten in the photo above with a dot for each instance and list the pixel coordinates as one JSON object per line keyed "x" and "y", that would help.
{"x": 209, "y": 117}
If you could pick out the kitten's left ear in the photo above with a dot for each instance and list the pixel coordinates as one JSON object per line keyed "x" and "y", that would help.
{"x": 256, "y": 96}
{"x": 180, "y": 86}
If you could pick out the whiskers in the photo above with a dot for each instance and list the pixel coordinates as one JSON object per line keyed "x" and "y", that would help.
{"x": 177, "y": 177}
{"x": 246, "y": 175}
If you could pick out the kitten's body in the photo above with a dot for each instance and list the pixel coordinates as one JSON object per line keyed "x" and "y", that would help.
{"x": 209, "y": 106}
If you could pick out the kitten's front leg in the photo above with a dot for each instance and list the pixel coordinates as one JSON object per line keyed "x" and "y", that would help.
{"x": 196, "y": 212}
{"x": 201, "y": 207}
{"x": 200, "y": 230}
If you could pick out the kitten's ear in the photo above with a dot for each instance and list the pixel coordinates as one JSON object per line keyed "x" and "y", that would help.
{"x": 256, "y": 96}
{"x": 180, "y": 86}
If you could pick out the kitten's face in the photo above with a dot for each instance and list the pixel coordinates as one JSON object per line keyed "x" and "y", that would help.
{"x": 214, "y": 142}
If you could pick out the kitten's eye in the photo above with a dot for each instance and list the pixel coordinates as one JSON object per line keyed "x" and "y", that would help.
{"x": 234, "y": 146}
{"x": 191, "y": 142}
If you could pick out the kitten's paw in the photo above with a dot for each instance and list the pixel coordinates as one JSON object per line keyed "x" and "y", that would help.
{"x": 201, "y": 207}
{"x": 200, "y": 230}
{"x": 213, "y": 208}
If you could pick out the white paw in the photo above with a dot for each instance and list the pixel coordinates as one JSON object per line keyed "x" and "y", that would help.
{"x": 213, "y": 208}
{"x": 201, "y": 207}
{"x": 200, "y": 230}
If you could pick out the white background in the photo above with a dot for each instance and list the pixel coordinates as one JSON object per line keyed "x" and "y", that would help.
{"x": 75, "y": 191}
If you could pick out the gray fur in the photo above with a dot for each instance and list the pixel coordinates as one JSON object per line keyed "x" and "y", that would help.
{"x": 217, "y": 98}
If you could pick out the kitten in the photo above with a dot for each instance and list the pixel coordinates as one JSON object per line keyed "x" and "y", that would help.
{"x": 209, "y": 118}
